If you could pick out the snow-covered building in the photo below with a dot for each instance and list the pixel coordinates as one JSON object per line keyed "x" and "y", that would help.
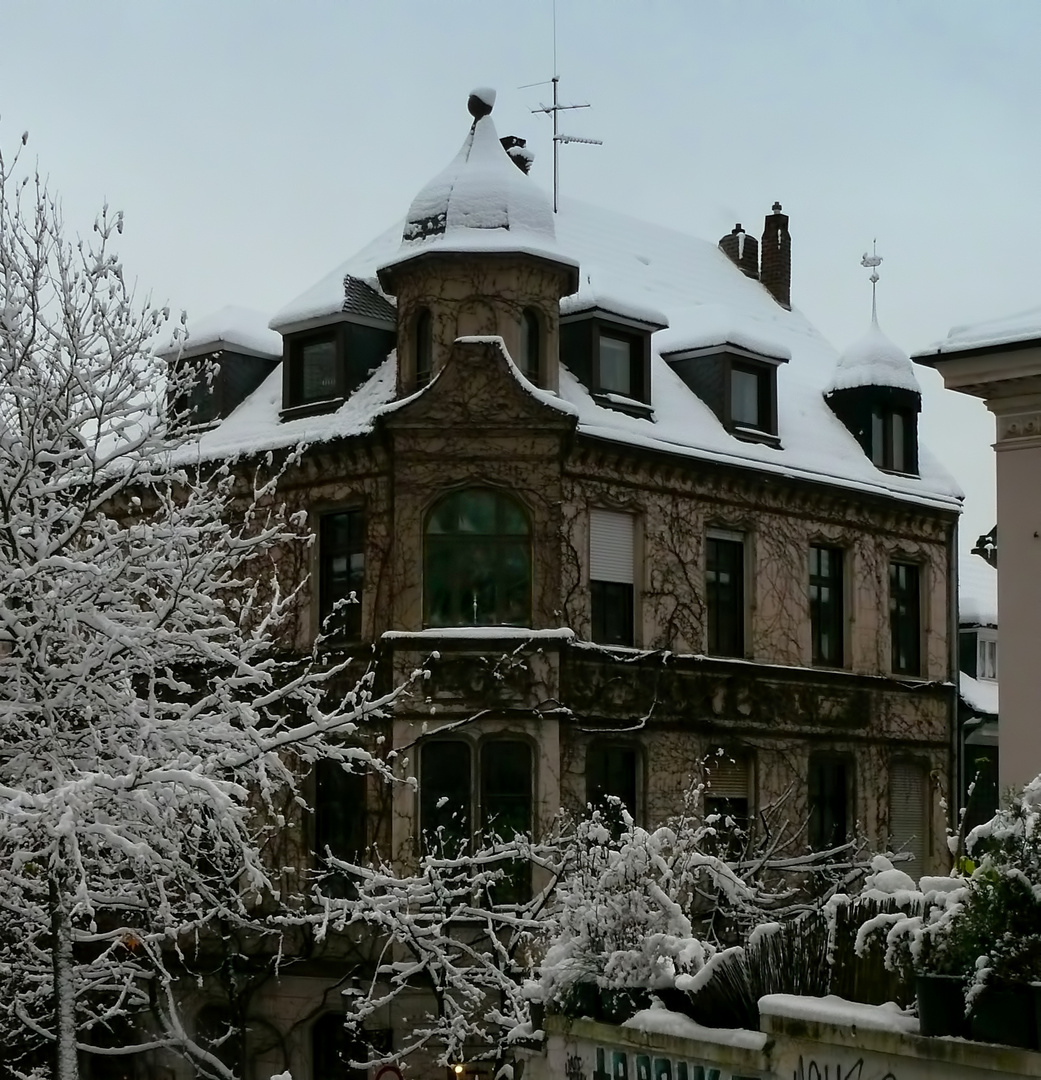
{"x": 627, "y": 504}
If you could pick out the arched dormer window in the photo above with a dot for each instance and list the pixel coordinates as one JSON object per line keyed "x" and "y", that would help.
{"x": 424, "y": 347}
{"x": 529, "y": 345}
{"x": 477, "y": 561}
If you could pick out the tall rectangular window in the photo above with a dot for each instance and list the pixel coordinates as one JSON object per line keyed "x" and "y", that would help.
{"x": 611, "y": 572}
{"x": 830, "y": 788}
{"x": 905, "y": 618}
{"x": 611, "y": 773}
{"x": 728, "y": 786}
{"x": 341, "y": 572}
{"x": 506, "y": 809}
{"x": 725, "y": 595}
{"x": 445, "y": 793}
{"x": 340, "y": 822}
{"x": 827, "y": 622}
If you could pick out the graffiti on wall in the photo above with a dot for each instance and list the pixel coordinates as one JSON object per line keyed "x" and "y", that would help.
{"x": 620, "y": 1065}
{"x": 814, "y": 1070}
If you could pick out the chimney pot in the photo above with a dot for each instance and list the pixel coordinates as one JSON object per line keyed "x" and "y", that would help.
{"x": 742, "y": 250}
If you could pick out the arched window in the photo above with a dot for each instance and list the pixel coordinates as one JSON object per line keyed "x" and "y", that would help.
{"x": 529, "y": 347}
{"x": 424, "y": 346}
{"x": 477, "y": 561}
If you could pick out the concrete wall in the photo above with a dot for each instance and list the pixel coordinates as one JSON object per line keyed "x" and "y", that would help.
{"x": 788, "y": 1049}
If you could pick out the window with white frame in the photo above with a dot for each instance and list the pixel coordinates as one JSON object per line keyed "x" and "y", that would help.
{"x": 987, "y": 655}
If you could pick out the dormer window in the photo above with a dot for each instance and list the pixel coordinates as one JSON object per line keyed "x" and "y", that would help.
{"x": 611, "y": 356}
{"x": 199, "y": 402}
{"x": 752, "y": 397}
{"x": 884, "y": 420}
{"x": 893, "y": 440}
{"x": 616, "y": 365}
{"x": 739, "y": 386}
{"x": 316, "y": 369}
{"x": 211, "y": 386}
{"x": 323, "y": 366}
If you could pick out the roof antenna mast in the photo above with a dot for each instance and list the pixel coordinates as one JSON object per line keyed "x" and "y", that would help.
{"x": 553, "y": 110}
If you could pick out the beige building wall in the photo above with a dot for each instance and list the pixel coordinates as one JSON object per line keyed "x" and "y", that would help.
{"x": 1008, "y": 379}
{"x": 1019, "y": 608}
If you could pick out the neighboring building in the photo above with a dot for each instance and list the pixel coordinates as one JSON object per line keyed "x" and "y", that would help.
{"x": 978, "y": 686}
{"x": 640, "y": 509}
{"x": 1000, "y": 362}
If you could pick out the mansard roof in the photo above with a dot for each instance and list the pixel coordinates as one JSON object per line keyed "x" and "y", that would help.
{"x": 662, "y": 275}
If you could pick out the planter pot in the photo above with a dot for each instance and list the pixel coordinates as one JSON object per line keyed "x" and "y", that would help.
{"x": 941, "y": 1004}
{"x": 1004, "y": 1013}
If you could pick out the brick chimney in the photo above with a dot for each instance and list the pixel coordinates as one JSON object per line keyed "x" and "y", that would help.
{"x": 743, "y": 250}
{"x": 776, "y": 272}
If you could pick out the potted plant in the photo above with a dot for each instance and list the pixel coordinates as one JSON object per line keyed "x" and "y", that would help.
{"x": 941, "y": 973}
{"x": 998, "y": 923}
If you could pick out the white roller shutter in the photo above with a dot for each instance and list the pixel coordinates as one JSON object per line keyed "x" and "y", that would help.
{"x": 908, "y": 828}
{"x": 611, "y": 552}
{"x": 726, "y": 778}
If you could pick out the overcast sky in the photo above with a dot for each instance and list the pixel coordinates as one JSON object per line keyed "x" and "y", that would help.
{"x": 255, "y": 144}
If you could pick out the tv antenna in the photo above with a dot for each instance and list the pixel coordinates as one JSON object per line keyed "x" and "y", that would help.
{"x": 554, "y": 110}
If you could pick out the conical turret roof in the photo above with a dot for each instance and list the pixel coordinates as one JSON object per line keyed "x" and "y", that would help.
{"x": 874, "y": 360}
{"x": 480, "y": 192}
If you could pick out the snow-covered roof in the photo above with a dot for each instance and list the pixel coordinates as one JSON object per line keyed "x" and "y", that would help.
{"x": 981, "y": 695}
{"x": 703, "y": 295}
{"x": 991, "y": 333}
{"x": 703, "y": 326}
{"x": 874, "y": 360}
{"x": 977, "y": 592}
{"x": 232, "y": 327}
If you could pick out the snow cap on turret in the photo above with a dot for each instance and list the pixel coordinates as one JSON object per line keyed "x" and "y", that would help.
{"x": 874, "y": 360}
{"x": 481, "y": 196}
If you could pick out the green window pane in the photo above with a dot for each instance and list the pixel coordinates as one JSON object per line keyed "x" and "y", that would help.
{"x": 477, "y": 561}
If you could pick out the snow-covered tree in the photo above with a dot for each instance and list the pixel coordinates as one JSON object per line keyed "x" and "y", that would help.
{"x": 151, "y": 732}
{"x": 610, "y": 904}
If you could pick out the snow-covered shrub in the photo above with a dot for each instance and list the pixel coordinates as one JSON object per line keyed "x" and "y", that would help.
{"x": 625, "y": 904}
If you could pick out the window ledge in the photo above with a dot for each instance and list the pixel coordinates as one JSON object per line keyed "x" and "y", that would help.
{"x": 562, "y": 633}
{"x": 312, "y": 408}
{"x": 621, "y": 403}
{"x": 751, "y": 434}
